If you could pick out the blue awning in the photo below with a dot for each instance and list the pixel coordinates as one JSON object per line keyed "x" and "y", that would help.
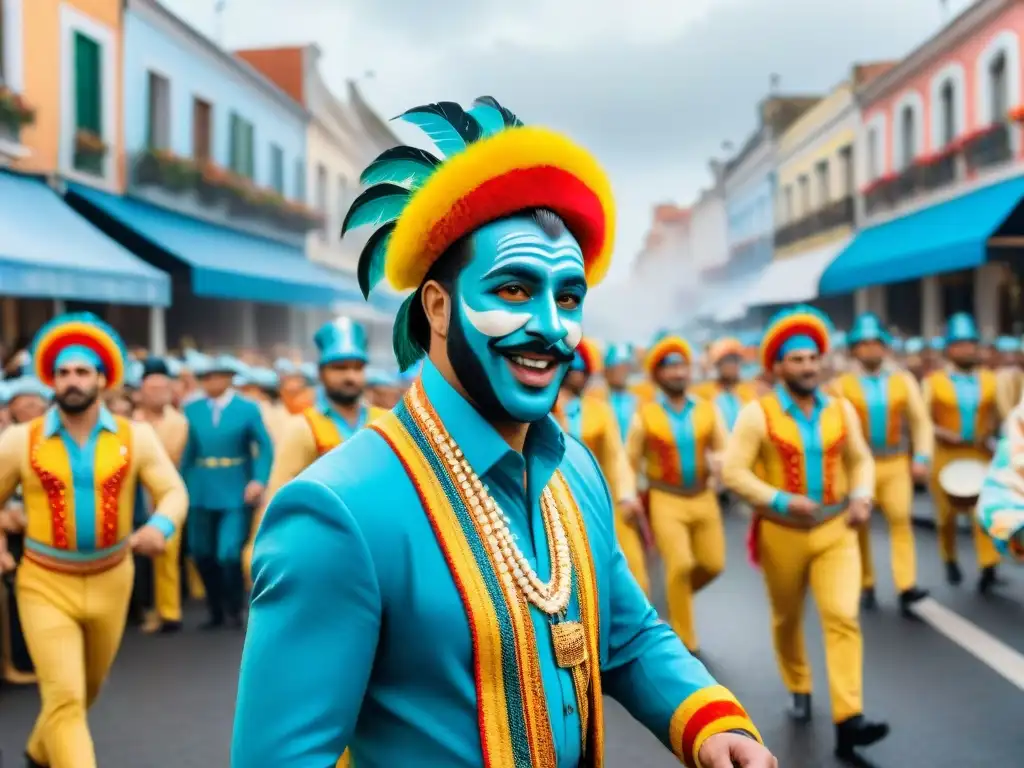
{"x": 943, "y": 238}
{"x": 227, "y": 264}
{"x": 49, "y": 251}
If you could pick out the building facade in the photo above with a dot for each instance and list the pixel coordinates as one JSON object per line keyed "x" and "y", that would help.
{"x": 709, "y": 244}
{"x": 339, "y": 146}
{"x": 940, "y": 136}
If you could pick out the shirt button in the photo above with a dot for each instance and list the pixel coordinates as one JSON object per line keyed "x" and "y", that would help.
{"x": 569, "y": 710}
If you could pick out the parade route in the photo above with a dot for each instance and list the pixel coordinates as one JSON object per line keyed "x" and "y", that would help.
{"x": 950, "y": 684}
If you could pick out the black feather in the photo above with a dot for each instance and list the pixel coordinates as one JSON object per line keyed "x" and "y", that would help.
{"x": 370, "y": 270}
{"x": 455, "y": 115}
{"x": 368, "y": 196}
{"x": 511, "y": 121}
{"x": 407, "y": 153}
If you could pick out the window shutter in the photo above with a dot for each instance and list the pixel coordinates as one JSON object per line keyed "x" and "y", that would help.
{"x": 88, "y": 96}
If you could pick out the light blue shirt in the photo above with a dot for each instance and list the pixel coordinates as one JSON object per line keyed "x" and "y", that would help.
{"x": 809, "y": 427}
{"x": 358, "y": 637}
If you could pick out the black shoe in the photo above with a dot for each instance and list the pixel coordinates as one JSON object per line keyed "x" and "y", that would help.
{"x": 910, "y": 596}
{"x": 953, "y": 574}
{"x": 858, "y": 731}
{"x": 868, "y": 601}
{"x": 989, "y": 579}
{"x": 170, "y": 628}
{"x": 800, "y": 707}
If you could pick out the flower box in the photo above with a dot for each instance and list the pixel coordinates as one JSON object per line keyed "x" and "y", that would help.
{"x": 157, "y": 167}
{"x": 14, "y": 112}
{"x": 90, "y": 151}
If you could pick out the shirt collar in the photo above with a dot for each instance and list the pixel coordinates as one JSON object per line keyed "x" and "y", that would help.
{"x": 52, "y": 423}
{"x": 224, "y": 399}
{"x": 481, "y": 444}
{"x": 789, "y": 404}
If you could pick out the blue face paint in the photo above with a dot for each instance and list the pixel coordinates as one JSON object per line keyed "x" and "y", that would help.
{"x": 521, "y": 292}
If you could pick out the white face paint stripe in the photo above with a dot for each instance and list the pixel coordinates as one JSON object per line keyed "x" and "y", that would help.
{"x": 574, "y": 333}
{"x": 495, "y": 322}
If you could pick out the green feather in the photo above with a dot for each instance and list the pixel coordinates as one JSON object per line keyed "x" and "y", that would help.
{"x": 371, "y": 260}
{"x": 407, "y": 351}
{"x": 377, "y": 205}
{"x": 490, "y": 119}
{"x": 406, "y": 167}
{"x": 446, "y": 123}
{"x": 510, "y": 120}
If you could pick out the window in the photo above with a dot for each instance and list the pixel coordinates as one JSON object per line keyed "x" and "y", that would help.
{"x": 821, "y": 172}
{"x": 342, "y": 199}
{"x": 277, "y": 169}
{"x": 874, "y": 170}
{"x": 908, "y": 133}
{"x": 804, "y": 184}
{"x": 788, "y": 214}
{"x": 88, "y": 100}
{"x": 242, "y": 160}
{"x": 202, "y": 129}
{"x": 947, "y": 105}
{"x": 997, "y": 84}
{"x": 300, "y": 180}
{"x": 321, "y": 198}
{"x": 846, "y": 162}
{"x": 159, "y": 128}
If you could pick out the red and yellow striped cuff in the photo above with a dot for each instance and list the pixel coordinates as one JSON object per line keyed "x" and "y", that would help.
{"x": 705, "y": 713}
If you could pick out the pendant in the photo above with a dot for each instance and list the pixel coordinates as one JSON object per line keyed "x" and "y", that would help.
{"x": 570, "y": 643}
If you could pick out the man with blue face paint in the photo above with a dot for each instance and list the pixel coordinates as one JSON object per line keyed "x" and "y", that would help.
{"x": 445, "y": 588}
{"x": 814, "y": 490}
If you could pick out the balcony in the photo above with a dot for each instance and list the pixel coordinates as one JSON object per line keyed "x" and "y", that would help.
{"x": 988, "y": 147}
{"x": 15, "y": 114}
{"x": 837, "y": 214}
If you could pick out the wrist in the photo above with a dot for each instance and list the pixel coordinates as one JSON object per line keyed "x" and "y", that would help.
{"x": 780, "y": 502}
{"x": 920, "y": 458}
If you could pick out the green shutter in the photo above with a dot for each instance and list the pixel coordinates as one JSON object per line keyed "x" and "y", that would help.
{"x": 250, "y": 151}
{"x": 88, "y": 85}
{"x": 233, "y": 147}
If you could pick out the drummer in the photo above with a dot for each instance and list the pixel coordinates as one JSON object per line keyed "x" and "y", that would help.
{"x": 888, "y": 402}
{"x": 961, "y": 401}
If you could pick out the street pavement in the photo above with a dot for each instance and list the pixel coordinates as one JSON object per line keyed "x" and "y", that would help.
{"x": 170, "y": 699}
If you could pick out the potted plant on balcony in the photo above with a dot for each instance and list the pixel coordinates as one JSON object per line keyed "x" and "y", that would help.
{"x": 14, "y": 113}
{"x": 90, "y": 150}
{"x": 158, "y": 167}
{"x": 212, "y": 183}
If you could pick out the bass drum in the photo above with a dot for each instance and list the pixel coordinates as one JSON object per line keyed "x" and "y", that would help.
{"x": 961, "y": 481}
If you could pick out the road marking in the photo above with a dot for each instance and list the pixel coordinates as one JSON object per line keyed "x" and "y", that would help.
{"x": 988, "y": 649}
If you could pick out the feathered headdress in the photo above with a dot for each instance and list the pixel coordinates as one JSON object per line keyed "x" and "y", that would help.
{"x": 665, "y": 345}
{"x": 493, "y": 166}
{"x": 800, "y": 320}
{"x": 80, "y": 333}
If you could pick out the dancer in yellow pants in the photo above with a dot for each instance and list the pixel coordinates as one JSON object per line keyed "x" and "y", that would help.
{"x": 592, "y": 421}
{"x": 961, "y": 401}
{"x": 889, "y": 405}
{"x": 75, "y": 580}
{"x": 819, "y": 477}
{"x": 670, "y": 441}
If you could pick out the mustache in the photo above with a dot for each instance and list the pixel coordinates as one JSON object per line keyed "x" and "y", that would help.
{"x": 73, "y": 391}
{"x": 559, "y": 351}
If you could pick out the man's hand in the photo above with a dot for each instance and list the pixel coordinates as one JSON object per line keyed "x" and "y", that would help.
{"x": 801, "y": 506}
{"x": 253, "y": 493}
{"x": 919, "y": 471}
{"x": 148, "y": 541}
{"x": 725, "y": 750}
{"x": 859, "y": 512}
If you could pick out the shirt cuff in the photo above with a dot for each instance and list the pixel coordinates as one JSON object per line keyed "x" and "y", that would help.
{"x": 163, "y": 524}
{"x": 920, "y": 458}
{"x": 705, "y": 713}
{"x": 861, "y": 493}
{"x": 780, "y": 502}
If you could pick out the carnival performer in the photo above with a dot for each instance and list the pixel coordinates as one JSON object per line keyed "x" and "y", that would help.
{"x": 226, "y": 464}
{"x": 592, "y": 421}
{"x": 675, "y": 441}
{"x": 619, "y": 360}
{"x": 1001, "y": 501}
{"x": 78, "y": 466}
{"x": 961, "y": 402}
{"x": 261, "y": 385}
{"x": 156, "y": 394}
{"x": 338, "y": 414}
{"x": 889, "y": 404}
{"x": 26, "y": 399}
{"x": 819, "y": 477}
{"x": 295, "y": 392}
{"x": 463, "y": 547}
{"x": 726, "y": 391}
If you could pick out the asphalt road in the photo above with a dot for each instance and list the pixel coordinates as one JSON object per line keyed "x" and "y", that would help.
{"x": 170, "y": 699}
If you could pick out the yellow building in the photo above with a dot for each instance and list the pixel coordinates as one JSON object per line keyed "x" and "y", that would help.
{"x": 63, "y": 58}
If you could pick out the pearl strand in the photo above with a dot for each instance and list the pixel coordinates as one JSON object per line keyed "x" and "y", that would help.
{"x": 512, "y": 565}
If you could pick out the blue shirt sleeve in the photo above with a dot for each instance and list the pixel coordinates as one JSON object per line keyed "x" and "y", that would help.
{"x": 312, "y": 637}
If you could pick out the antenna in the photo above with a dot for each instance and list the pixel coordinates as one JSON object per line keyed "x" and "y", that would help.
{"x": 219, "y": 7}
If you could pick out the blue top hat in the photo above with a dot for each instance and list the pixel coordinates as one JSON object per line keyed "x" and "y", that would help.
{"x": 914, "y": 345}
{"x": 341, "y": 340}
{"x": 961, "y": 327}
{"x": 26, "y": 386}
{"x": 868, "y": 327}
{"x": 619, "y": 354}
{"x": 1008, "y": 344}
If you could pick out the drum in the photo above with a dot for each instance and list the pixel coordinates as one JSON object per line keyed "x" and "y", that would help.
{"x": 961, "y": 480}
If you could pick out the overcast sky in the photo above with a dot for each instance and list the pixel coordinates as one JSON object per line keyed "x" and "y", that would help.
{"x": 653, "y": 87}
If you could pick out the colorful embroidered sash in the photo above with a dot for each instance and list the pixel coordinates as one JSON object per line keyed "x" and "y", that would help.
{"x": 515, "y": 726}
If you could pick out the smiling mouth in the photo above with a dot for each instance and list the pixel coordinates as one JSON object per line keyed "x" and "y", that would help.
{"x": 532, "y": 369}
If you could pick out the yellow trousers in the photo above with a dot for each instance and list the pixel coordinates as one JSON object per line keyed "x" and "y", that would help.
{"x": 689, "y": 535}
{"x": 73, "y": 627}
{"x": 946, "y": 513}
{"x": 827, "y": 559}
{"x": 195, "y": 582}
{"x": 167, "y": 580}
{"x": 632, "y": 544}
{"x": 894, "y": 494}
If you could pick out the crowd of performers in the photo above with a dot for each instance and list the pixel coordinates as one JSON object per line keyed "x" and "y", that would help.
{"x": 453, "y": 569}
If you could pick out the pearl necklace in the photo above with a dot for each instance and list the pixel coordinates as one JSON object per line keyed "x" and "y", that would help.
{"x": 495, "y": 528}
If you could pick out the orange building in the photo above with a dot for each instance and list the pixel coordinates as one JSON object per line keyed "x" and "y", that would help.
{"x": 63, "y": 59}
